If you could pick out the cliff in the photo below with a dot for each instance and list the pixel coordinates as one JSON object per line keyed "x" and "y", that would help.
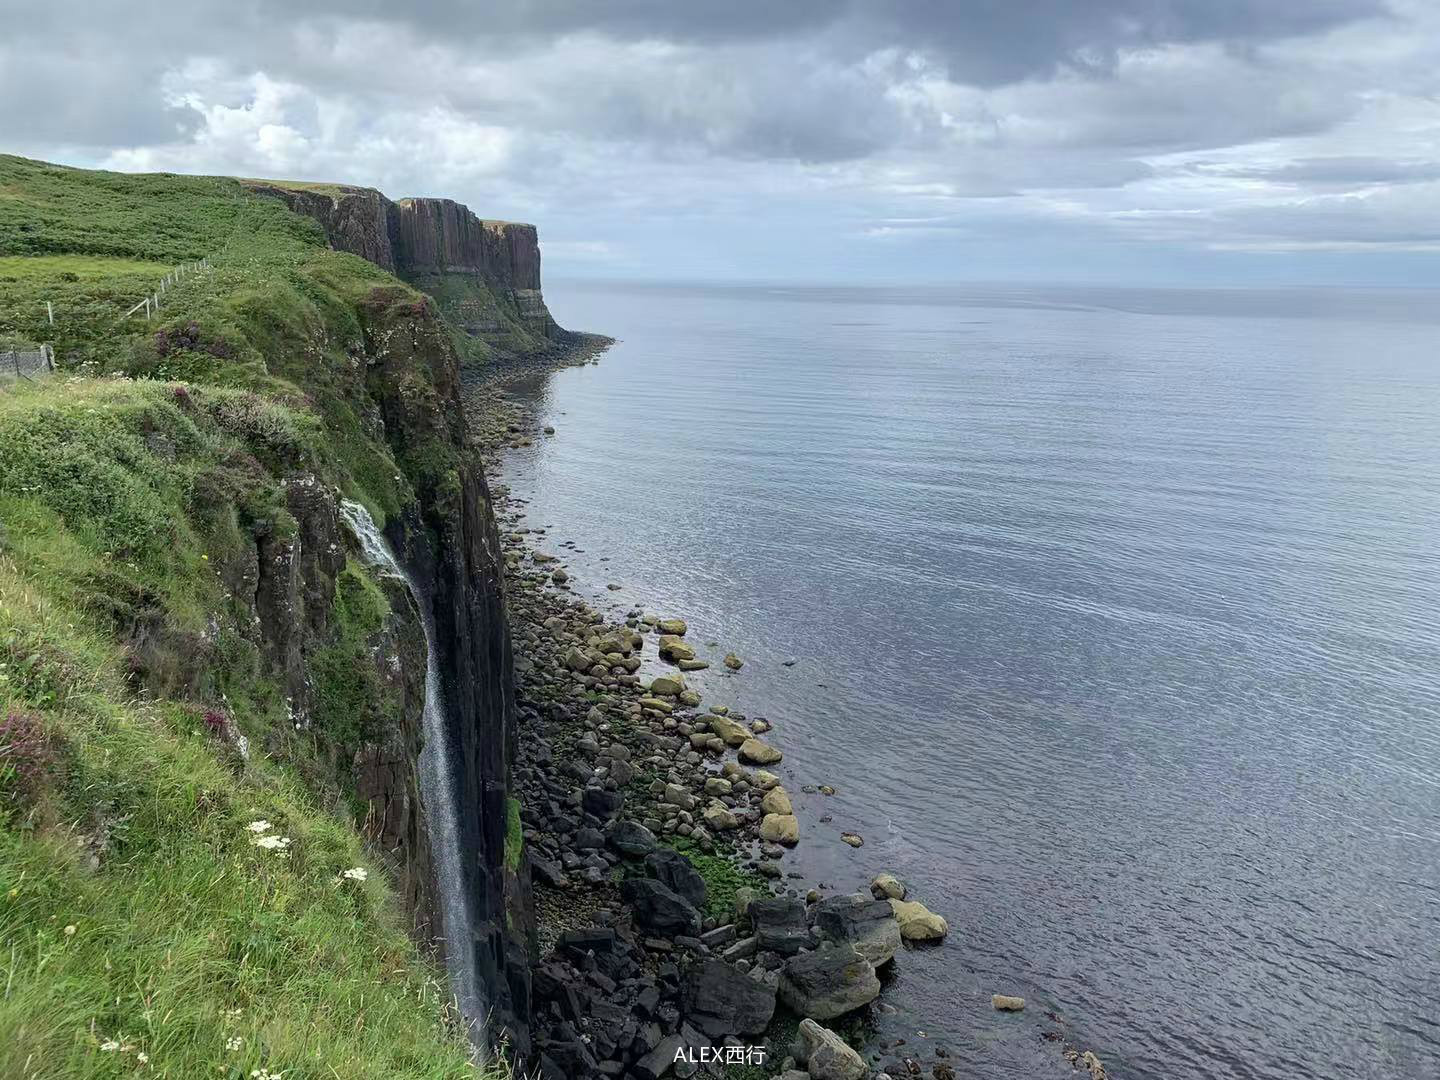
{"x": 483, "y": 274}
{"x": 222, "y": 703}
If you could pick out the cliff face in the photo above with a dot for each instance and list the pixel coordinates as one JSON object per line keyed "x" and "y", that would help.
{"x": 485, "y": 275}
{"x": 452, "y": 545}
{"x": 355, "y": 219}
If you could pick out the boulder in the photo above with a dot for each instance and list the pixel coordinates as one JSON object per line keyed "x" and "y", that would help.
{"x": 917, "y": 922}
{"x": 733, "y": 733}
{"x": 777, "y": 801}
{"x": 1006, "y": 1003}
{"x": 676, "y": 795}
{"x": 676, "y": 648}
{"x": 828, "y": 1056}
{"x": 674, "y": 869}
{"x": 755, "y": 752}
{"x": 603, "y": 804}
{"x": 887, "y": 887}
{"x": 721, "y": 1000}
{"x": 672, "y": 626}
{"x": 630, "y": 838}
{"x": 668, "y": 685}
{"x": 853, "y": 839}
{"x": 867, "y": 924}
{"x": 733, "y": 662}
{"x": 720, "y": 817}
{"x": 780, "y": 829}
{"x": 575, "y": 659}
{"x": 657, "y": 907}
{"x": 779, "y": 923}
{"x": 828, "y": 982}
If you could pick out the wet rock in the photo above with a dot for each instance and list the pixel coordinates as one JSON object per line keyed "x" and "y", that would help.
{"x": 734, "y": 734}
{"x": 559, "y": 577}
{"x": 777, "y": 801}
{"x": 828, "y": 982}
{"x": 780, "y": 829}
{"x": 917, "y": 922}
{"x": 721, "y": 1000}
{"x": 828, "y": 1056}
{"x": 779, "y": 924}
{"x": 1006, "y": 1003}
{"x": 887, "y": 887}
{"x": 672, "y": 626}
{"x": 669, "y": 685}
{"x": 733, "y": 662}
{"x": 673, "y": 647}
{"x": 575, "y": 660}
{"x": 866, "y": 924}
{"x": 755, "y": 752}
{"x": 853, "y": 839}
{"x": 657, "y": 907}
{"x": 674, "y": 869}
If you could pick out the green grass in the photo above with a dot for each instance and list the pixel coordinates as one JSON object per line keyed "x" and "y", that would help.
{"x": 133, "y": 485}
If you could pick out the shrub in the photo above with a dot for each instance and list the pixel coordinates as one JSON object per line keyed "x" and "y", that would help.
{"x": 27, "y": 755}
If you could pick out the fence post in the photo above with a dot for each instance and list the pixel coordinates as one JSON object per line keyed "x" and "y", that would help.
{"x": 50, "y": 311}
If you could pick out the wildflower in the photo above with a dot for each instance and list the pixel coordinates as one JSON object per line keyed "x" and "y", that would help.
{"x": 110, "y": 1045}
{"x": 234, "y": 1043}
{"x": 143, "y": 1058}
{"x": 272, "y": 843}
{"x": 355, "y": 873}
{"x": 259, "y": 826}
{"x": 70, "y": 930}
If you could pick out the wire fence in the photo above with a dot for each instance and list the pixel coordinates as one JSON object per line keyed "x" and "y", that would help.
{"x": 27, "y": 363}
{"x": 151, "y": 304}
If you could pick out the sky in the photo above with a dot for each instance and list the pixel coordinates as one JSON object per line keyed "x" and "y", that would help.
{"x": 861, "y": 141}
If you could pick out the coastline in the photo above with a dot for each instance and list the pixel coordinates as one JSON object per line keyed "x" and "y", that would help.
{"x": 619, "y": 758}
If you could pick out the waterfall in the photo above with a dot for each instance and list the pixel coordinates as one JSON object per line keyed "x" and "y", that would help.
{"x": 436, "y": 783}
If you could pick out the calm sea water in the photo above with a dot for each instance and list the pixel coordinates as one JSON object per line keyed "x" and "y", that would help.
{"x": 1115, "y": 620}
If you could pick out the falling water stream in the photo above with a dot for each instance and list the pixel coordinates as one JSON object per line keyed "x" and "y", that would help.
{"x": 436, "y": 782}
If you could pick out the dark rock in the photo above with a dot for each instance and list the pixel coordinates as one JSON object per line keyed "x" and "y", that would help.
{"x": 660, "y": 1060}
{"x": 630, "y": 838}
{"x": 780, "y": 924}
{"x": 603, "y": 804}
{"x": 720, "y": 1000}
{"x": 659, "y": 908}
{"x": 674, "y": 869}
{"x": 867, "y": 924}
{"x": 828, "y": 982}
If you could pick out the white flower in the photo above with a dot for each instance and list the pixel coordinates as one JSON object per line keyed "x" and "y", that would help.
{"x": 143, "y": 1058}
{"x": 272, "y": 843}
{"x": 234, "y": 1043}
{"x": 70, "y": 930}
{"x": 110, "y": 1045}
{"x": 355, "y": 873}
{"x": 259, "y": 826}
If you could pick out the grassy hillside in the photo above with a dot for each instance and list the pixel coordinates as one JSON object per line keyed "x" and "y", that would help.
{"x": 174, "y": 896}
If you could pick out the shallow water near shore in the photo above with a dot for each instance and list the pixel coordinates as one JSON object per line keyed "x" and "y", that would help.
{"x": 1114, "y": 620}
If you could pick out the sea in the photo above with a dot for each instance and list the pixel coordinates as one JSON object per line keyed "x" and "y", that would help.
{"x": 1111, "y": 615}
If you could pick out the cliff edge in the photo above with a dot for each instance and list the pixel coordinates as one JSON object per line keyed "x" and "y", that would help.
{"x": 483, "y": 274}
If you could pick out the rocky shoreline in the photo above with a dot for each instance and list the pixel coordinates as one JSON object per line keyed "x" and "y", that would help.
{"x": 671, "y": 937}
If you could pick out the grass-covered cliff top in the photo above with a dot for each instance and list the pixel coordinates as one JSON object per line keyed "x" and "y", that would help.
{"x": 169, "y": 905}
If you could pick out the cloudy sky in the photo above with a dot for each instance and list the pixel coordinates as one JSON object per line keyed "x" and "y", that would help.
{"x": 1147, "y": 141}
